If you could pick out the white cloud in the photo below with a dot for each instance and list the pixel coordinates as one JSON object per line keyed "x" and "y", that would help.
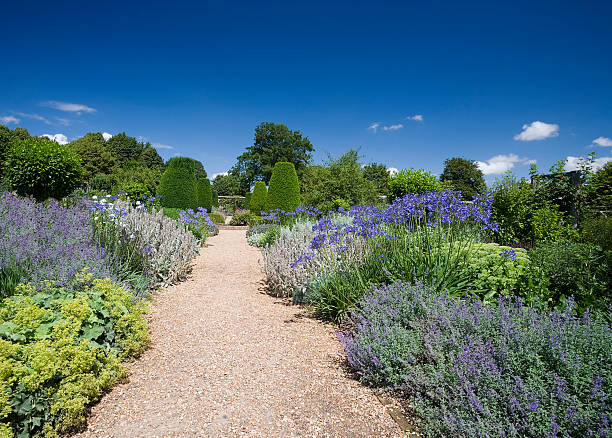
{"x": 9, "y": 119}
{"x": 69, "y": 107}
{"x": 538, "y": 131}
{"x": 500, "y": 164}
{"x": 393, "y": 127}
{"x": 35, "y": 117}
{"x": 392, "y": 170}
{"x": 106, "y": 136}
{"x": 573, "y": 163}
{"x": 220, "y": 173}
{"x": 162, "y": 146}
{"x": 416, "y": 117}
{"x": 63, "y": 121}
{"x": 374, "y": 127}
{"x": 602, "y": 141}
{"x": 58, "y": 138}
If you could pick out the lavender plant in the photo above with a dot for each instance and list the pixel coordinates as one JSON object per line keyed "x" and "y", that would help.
{"x": 41, "y": 242}
{"x": 474, "y": 369}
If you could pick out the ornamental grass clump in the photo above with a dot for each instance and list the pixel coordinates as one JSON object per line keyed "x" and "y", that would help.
{"x": 473, "y": 369}
{"x": 41, "y": 242}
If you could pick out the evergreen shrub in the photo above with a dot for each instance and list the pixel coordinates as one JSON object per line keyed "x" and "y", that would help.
{"x": 284, "y": 189}
{"x": 205, "y": 194}
{"x": 178, "y": 186}
{"x": 258, "y": 198}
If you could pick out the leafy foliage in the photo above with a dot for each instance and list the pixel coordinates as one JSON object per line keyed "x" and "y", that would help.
{"x": 273, "y": 143}
{"x": 42, "y": 168}
{"x": 60, "y": 349}
{"x": 512, "y": 209}
{"x": 226, "y": 185}
{"x": 378, "y": 175}
{"x": 471, "y": 369}
{"x": 244, "y": 218}
{"x": 125, "y": 148}
{"x": 95, "y": 157}
{"x": 341, "y": 183}
{"x": 257, "y": 201}
{"x": 177, "y": 186}
{"x": 409, "y": 181}
{"x": 463, "y": 175}
{"x": 284, "y": 190}
{"x": 599, "y": 191}
{"x": 217, "y": 218}
{"x": 598, "y": 231}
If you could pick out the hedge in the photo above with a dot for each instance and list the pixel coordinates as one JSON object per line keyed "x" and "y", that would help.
{"x": 284, "y": 188}
{"x": 178, "y": 186}
{"x": 204, "y": 194}
{"x": 258, "y": 198}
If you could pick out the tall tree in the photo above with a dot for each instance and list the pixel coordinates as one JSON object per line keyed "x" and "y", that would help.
{"x": 379, "y": 176}
{"x": 226, "y": 185}
{"x": 274, "y": 142}
{"x": 95, "y": 157}
{"x": 463, "y": 175}
{"x": 150, "y": 158}
{"x": 124, "y": 147}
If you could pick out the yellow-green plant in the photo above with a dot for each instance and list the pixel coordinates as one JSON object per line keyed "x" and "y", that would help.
{"x": 60, "y": 349}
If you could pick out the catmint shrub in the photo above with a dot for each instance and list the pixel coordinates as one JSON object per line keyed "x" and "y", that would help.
{"x": 487, "y": 370}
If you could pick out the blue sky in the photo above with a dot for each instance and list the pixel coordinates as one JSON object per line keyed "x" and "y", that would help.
{"x": 197, "y": 78}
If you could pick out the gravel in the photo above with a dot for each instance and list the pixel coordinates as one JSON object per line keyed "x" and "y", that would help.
{"x": 228, "y": 360}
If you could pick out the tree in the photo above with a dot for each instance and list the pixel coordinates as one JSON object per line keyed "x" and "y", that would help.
{"x": 95, "y": 157}
{"x": 124, "y": 147}
{"x": 274, "y": 142}
{"x": 284, "y": 192}
{"x": 178, "y": 185}
{"x": 200, "y": 172}
{"x": 7, "y": 138}
{"x": 599, "y": 191}
{"x": 226, "y": 185}
{"x": 339, "y": 184}
{"x": 463, "y": 175}
{"x": 379, "y": 176}
{"x": 42, "y": 168}
{"x": 150, "y": 157}
{"x": 258, "y": 198}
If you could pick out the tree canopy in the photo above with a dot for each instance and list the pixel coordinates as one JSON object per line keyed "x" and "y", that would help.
{"x": 95, "y": 157}
{"x": 226, "y": 185}
{"x": 274, "y": 142}
{"x": 463, "y": 175}
{"x": 379, "y": 175}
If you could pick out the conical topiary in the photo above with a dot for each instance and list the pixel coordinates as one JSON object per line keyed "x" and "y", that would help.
{"x": 205, "y": 194}
{"x": 258, "y": 198}
{"x": 178, "y": 186}
{"x": 284, "y": 188}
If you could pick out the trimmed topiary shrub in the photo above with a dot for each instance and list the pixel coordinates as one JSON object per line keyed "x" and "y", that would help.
{"x": 178, "y": 186}
{"x": 284, "y": 191}
{"x": 215, "y": 197}
{"x": 42, "y": 168}
{"x": 258, "y": 197}
{"x": 247, "y": 200}
{"x": 204, "y": 194}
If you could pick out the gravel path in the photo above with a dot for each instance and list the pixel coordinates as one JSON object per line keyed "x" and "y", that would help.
{"x": 227, "y": 360}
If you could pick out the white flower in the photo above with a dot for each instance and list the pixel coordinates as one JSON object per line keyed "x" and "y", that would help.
{"x": 95, "y": 197}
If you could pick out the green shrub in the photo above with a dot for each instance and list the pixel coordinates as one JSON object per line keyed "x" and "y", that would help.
{"x": 178, "y": 187}
{"x": 257, "y": 200}
{"x": 550, "y": 225}
{"x": 578, "y": 269}
{"x": 246, "y": 218}
{"x": 172, "y": 213}
{"x": 598, "y": 231}
{"x": 101, "y": 182}
{"x": 60, "y": 350}
{"x": 217, "y": 218}
{"x": 204, "y": 194}
{"x": 284, "y": 191}
{"x": 134, "y": 190}
{"x": 42, "y": 168}
{"x": 413, "y": 181}
{"x": 512, "y": 209}
{"x": 215, "y": 197}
